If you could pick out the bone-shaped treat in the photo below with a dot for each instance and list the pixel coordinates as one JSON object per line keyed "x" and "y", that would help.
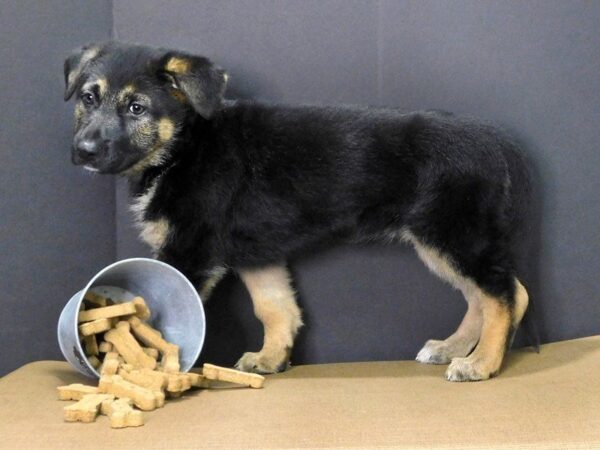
{"x": 178, "y": 382}
{"x": 213, "y": 372}
{"x": 110, "y": 365}
{"x": 75, "y": 391}
{"x": 94, "y": 361}
{"x": 91, "y": 345}
{"x": 170, "y": 360}
{"x": 141, "y": 309}
{"x": 148, "y": 335}
{"x": 95, "y": 327}
{"x": 126, "y": 345}
{"x": 86, "y": 409}
{"x": 107, "y": 312}
{"x": 151, "y": 352}
{"x": 197, "y": 380}
{"x": 96, "y": 300}
{"x": 121, "y": 414}
{"x": 143, "y": 398}
{"x": 105, "y": 347}
{"x": 150, "y": 379}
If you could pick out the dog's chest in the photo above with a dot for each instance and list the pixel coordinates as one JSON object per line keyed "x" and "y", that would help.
{"x": 154, "y": 232}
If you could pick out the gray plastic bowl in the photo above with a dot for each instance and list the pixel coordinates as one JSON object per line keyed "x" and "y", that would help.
{"x": 176, "y": 307}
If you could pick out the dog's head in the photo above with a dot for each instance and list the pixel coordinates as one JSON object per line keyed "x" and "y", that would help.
{"x": 133, "y": 100}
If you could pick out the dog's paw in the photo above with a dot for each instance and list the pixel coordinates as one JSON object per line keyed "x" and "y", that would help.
{"x": 435, "y": 352}
{"x": 262, "y": 363}
{"x": 467, "y": 369}
{"x": 442, "y": 352}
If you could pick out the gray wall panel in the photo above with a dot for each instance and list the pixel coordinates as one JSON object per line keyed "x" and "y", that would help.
{"x": 531, "y": 66}
{"x": 57, "y": 223}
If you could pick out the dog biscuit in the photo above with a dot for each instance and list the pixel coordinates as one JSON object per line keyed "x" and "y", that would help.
{"x": 197, "y": 380}
{"x": 170, "y": 360}
{"x": 95, "y": 327}
{"x": 121, "y": 414}
{"x": 127, "y": 367}
{"x": 122, "y": 324}
{"x": 213, "y": 372}
{"x": 151, "y": 352}
{"x": 75, "y": 391}
{"x": 91, "y": 345}
{"x": 143, "y": 398}
{"x": 86, "y": 409}
{"x": 149, "y": 379}
{"x": 178, "y": 382}
{"x": 148, "y": 335}
{"x": 94, "y": 361}
{"x": 141, "y": 309}
{"x": 105, "y": 347}
{"x": 131, "y": 351}
{"x": 110, "y": 365}
{"x": 95, "y": 300}
{"x": 107, "y": 312}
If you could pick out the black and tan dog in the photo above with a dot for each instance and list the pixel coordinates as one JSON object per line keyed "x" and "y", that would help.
{"x": 220, "y": 185}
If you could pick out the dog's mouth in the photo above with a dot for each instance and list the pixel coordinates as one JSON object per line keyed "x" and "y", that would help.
{"x": 91, "y": 168}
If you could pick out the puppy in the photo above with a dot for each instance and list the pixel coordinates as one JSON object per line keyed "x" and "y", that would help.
{"x": 234, "y": 185}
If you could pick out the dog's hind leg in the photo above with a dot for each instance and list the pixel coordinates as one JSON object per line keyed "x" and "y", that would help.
{"x": 488, "y": 325}
{"x": 461, "y": 342}
{"x": 465, "y": 338}
{"x": 275, "y": 306}
{"x": 501, "y": 316}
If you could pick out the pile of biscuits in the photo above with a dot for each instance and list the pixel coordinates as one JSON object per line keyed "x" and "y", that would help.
{"x": 138, "y": 368}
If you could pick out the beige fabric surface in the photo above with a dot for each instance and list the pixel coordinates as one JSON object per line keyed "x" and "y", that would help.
{"x": 546, "y": 400}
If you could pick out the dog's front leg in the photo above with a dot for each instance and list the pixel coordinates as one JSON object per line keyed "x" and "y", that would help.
{"x": 275, "y": 305}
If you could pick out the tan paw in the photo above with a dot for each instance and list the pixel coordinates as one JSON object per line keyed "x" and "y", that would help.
{"x": 442, "y": 352}
{"x": 468, "y": 369}
{"x": 262, "y": 362}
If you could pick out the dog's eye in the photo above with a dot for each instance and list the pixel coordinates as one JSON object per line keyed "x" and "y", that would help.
{"x": 87, "y": 99}
{"x": 136, "y": 109}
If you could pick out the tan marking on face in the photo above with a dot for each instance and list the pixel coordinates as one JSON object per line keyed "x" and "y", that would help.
{"x": 275, "y": 306}
{"x": 166, "y": 129}
{"x": 128, "y": 89}
{"x": 143, "y": 135}
{"x": 178, "y": 65}
{"x": 79, "y": 110}
{"x": 102, "y": 86}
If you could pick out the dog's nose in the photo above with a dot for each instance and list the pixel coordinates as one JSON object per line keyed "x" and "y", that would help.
{"x": 87, "y": 148}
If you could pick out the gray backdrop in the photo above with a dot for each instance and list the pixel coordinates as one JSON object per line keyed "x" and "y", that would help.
{"x": 530, "y": 66}
{"x": 57, "y": 225}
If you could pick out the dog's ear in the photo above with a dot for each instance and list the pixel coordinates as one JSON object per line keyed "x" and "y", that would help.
{"x": 202, "y": 83}
{"x": 75, "y": 65}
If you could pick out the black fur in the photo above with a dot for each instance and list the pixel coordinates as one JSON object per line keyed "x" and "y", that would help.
{"x": 260, "y": 183}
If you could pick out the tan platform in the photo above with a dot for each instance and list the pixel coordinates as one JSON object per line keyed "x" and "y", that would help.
{"x": 547, "y": 400}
